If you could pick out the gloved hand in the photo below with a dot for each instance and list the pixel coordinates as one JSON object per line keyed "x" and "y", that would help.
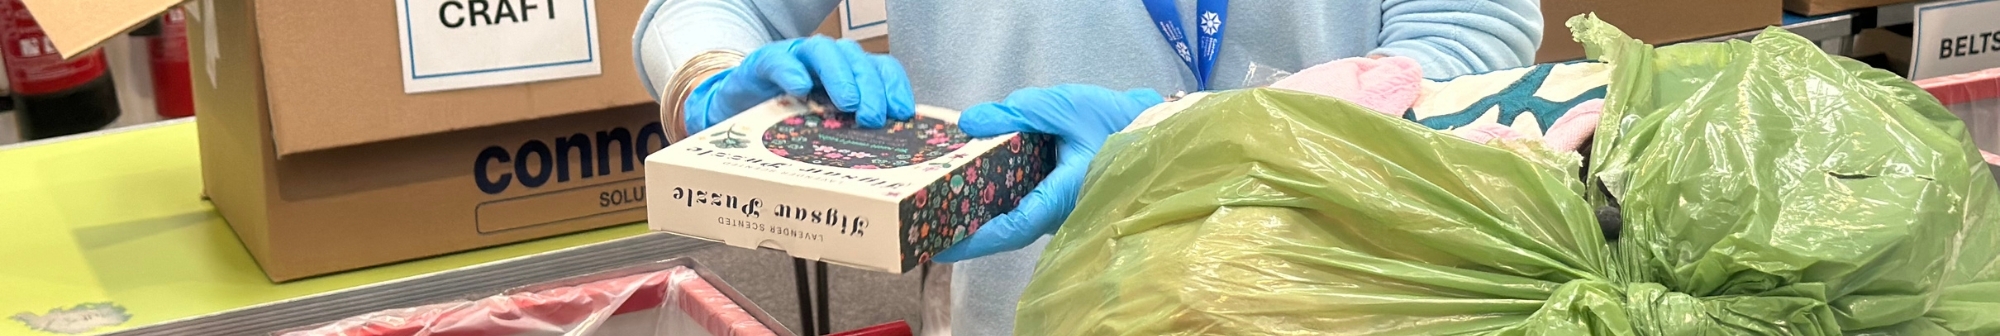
{"x": 872, "y": 86}
{"x": 1082, "y": 117}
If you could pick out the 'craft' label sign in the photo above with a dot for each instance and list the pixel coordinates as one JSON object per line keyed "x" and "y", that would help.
{"x": 1955, "y": 37}
{"x": 864, "y": 19}
{"x": 459, "y": 44}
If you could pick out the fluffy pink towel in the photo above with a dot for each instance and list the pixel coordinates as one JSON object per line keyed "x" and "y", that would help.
{"x": 1568, "y": 133}
{"x": 1579, "y": 124}
{"x": 1486, "y": 133}
{"x": 1388, "y": 85}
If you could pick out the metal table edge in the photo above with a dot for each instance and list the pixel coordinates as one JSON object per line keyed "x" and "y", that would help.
{"x": 443, "y": 286}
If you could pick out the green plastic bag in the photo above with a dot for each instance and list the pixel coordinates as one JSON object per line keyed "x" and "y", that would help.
{"x": 1768, "y": 189}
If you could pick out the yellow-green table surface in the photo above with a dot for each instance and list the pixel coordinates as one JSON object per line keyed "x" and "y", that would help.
{"x": 118, "y": 218}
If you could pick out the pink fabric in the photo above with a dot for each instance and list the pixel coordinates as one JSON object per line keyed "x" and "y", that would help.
{"x": 534, "y": 313}
{"x": 1486, "y": 133}
{"x": 1389, "y": 85}
{"x": 1575, "y": 126}
{"x": 1568, "y": 133}
{"x": 1962, "y": 88}
{"x": 714, "y": 310}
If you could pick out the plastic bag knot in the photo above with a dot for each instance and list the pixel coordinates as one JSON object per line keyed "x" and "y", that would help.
{"x": 1599, "y": 307}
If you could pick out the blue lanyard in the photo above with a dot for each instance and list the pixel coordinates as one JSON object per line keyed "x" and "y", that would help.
{"x": 1208, "y": 24}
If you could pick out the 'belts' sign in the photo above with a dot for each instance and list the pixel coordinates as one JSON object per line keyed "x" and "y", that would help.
{"x": 1955, "y": 37}
{"x": 458, "y": 44}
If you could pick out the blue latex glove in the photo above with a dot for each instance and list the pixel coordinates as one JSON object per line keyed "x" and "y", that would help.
{"x": 1082, "y": 117}
{"x": 874, "y": 87}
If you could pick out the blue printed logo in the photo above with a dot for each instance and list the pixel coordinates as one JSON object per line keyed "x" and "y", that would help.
{"x": 1210, "y": 22}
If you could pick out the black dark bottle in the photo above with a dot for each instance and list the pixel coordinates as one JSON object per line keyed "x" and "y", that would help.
{"x": 53, "y": 96}
{"x": 84, "y": 108}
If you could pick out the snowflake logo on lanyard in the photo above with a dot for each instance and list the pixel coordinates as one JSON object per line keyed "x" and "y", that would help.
{"x": 1183, "y": 50}
{"x": 1210, "y": 23}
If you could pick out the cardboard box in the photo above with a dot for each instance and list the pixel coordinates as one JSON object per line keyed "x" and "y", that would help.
{"x": 321, "y": 163}
{"x": 1656, "y": 22}
{"x": 1894, "y": 48}
{"x": 818, "y": 187}
{"x": 831, "y": 28}
{"x": 1823, "y": 7}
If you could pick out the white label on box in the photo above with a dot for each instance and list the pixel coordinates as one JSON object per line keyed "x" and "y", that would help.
{"x": 1955, "y": 37}
{"x": 460, "y": 44}
{"x": 864, "y": 19}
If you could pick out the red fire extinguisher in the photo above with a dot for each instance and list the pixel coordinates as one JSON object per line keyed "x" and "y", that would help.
{"x": 166, "y": 40}
{"x": 54, "y": 97}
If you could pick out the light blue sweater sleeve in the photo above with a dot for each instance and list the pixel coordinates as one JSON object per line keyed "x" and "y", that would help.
{"x": 963, "y": 52}
{"x": 1456, "y": 37}
{"x": 672, "y": 31}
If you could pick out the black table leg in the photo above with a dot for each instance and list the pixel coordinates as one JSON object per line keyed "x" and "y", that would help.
{"x": 807, "y": 318}
{"x": 819, "y": 279}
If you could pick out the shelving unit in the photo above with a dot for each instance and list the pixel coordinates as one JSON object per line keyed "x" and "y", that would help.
{"x": 1834, "y": 33}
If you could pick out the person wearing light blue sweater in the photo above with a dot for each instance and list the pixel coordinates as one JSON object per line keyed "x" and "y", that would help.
{"x": 1044, "y": 66}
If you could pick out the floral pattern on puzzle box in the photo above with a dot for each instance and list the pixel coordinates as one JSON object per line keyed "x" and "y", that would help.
{"x": 835, "y": 139}
{"x": 952, "y": 208}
